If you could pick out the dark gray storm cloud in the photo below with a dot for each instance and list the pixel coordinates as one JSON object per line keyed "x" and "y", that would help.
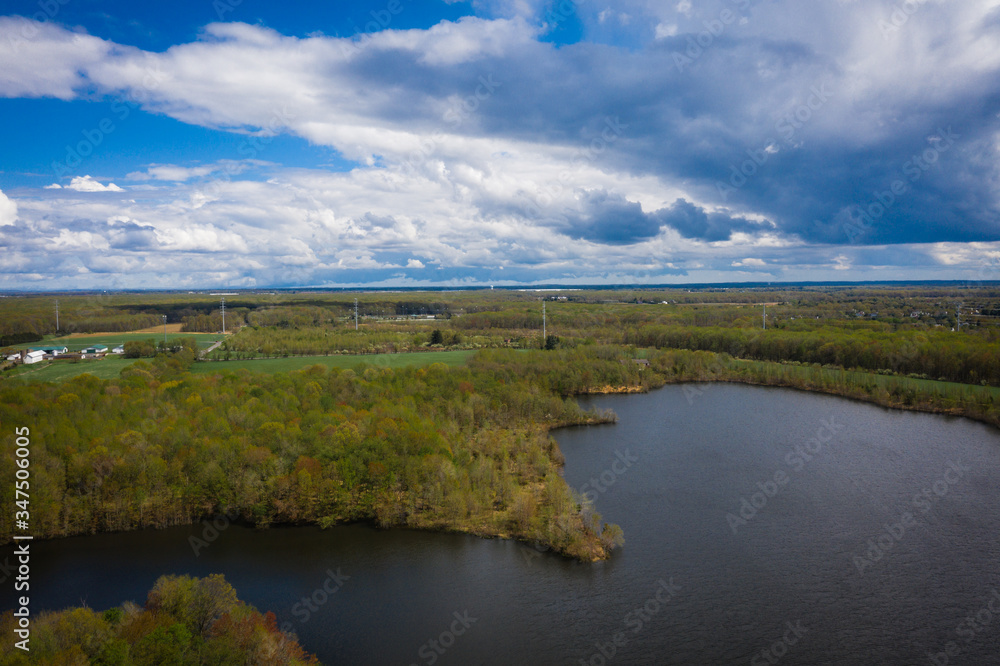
{"x": 691, "y": 221}
{"x": 771, "y": 117}
{"x": 610, "y": 219}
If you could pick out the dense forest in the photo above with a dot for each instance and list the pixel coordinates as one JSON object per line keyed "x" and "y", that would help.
{"x": 184, "y": 621}
{"x": 461, "y": 448}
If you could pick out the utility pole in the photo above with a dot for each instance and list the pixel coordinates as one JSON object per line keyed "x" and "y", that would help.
{"x": 57, "y": 315}
{"x": 164, "y": 331}
{"x": 223, "y": 314}
{"x": 543, "y": 324}
{"x": 355, "y": 314}
{"x": 764, "y": 316}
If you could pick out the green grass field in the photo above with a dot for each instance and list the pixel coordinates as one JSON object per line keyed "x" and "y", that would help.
{"x": 114, "y": 339}
{"x": 272, "y": 365}
{"x": 59, "y": 371}
{"x": 109, "y": 367}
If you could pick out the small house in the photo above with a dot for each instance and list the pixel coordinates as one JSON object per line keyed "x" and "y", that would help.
{"x": 120, "y": 349}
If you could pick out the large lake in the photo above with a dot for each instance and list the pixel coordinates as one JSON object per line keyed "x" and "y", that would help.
{"x": 763, "y": 526}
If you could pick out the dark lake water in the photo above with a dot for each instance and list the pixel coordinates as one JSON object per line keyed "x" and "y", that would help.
{"x": 763, "y": 526}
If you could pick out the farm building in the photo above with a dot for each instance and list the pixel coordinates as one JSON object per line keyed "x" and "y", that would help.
{"x": 120, "y": 349}
{"x": 100, "y": 349}
{"x": 34, "y": 356}
{"x": 51, "y": 351}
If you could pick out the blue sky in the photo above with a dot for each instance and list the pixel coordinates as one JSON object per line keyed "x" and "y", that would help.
{"x": 241, "y": 143}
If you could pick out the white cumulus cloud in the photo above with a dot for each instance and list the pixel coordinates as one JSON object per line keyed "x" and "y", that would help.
{"x": 87, "y": 184}
{"x": 750, "y": 262}
{"x": 8, "y": 211}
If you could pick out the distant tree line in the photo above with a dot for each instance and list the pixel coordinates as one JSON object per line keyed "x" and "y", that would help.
{"x": 936, "y": 354}
{"x": 18, "y": 339}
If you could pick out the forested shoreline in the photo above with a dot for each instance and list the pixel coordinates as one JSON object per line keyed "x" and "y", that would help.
{"x": 464, "y": 449}
{"x": 457, "y": 449}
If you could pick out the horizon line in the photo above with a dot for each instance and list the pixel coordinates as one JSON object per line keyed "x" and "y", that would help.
{"x": 553, "y": 286}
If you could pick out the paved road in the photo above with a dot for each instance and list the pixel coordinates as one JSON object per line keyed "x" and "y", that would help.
{"x": 214, "y": 346}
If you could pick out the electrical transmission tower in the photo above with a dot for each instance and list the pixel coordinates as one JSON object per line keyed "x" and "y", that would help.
{"x": 543, "y": 322}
